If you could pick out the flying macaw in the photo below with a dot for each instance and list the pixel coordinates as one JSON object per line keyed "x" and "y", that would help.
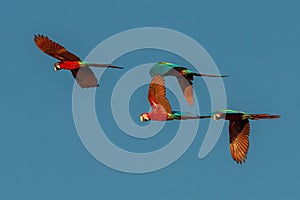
{"x": 161, "y": 109}
{"x": 239, "y": 130}
{"x": 68, "y": 61}
{"x": 184, "y": 77}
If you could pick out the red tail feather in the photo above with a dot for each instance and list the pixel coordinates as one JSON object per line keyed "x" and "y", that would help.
{"x": 263, "y": 116}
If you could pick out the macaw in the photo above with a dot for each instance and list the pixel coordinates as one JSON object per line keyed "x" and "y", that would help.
{"x": 161, "y": 109}
{"x": 239, "y": 130}
{"x": 184, "y": 77}
{"x": 68, "y": 61}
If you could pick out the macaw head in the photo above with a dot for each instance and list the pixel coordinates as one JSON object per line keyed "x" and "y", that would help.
{"x": 144, "y": 117}
{"x": 56, "y": 66}
{"x": 217, "y": 116}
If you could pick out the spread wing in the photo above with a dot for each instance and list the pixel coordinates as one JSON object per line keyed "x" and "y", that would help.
{"x": 85, "y": 77}
{"x": 187, "y": 88}
{"x": 54, "y": 49}
{"x": 239, "y": 131}
{"x": 157, "y": 95}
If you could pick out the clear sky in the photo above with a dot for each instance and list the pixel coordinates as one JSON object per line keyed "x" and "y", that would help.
{"x": 42, "y": 157}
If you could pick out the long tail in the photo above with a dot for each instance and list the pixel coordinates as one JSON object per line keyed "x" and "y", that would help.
{"x": 194, "y": 117}
{"x": 261, "y": 116}
{"x": 101, "y": 65}
{"x": 209, "y": 75}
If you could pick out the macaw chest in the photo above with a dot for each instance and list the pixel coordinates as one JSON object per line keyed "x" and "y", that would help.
{"x": 159, "y": 116}
{"x": 69, "y": 65}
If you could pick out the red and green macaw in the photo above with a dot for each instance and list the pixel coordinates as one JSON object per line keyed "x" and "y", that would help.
{"x": 161, "y": 109}
{"x": 184, "y": 77}
{"x": 239, "y": 130}
{"x": 68, "y": 61}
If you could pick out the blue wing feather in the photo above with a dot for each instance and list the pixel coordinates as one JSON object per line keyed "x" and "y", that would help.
{"x": 161, "y": 68}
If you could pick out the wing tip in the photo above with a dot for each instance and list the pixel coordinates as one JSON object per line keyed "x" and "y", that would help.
{"x": 189, "y": 95}
{"x": 37, "y": 36}
{"x": 240, "y": 161}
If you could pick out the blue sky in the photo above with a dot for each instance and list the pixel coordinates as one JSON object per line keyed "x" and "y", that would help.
{"x": 256, "y": 43}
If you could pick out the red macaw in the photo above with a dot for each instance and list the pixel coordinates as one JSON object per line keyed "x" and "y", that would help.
{"x": 68, "y": 61}
{"x": 161, "y": 109}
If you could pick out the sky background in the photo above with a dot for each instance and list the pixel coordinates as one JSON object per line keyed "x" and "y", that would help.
{"x": 257, "y": 43}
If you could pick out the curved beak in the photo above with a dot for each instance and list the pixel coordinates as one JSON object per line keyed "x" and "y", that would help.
{"x": 217, "y": 116}
{"x": 56, "y": 67}
{"x": 142, "y": 118}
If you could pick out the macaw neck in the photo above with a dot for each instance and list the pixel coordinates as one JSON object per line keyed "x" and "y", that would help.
{"x": 69, "y": 65}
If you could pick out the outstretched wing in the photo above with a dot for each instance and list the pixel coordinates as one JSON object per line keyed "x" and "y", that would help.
{"x": 85, "y": 77}
{"x": 164, "y": 69}
{"x": 239, "y": 131}
{"x": 157, "y": 95}
{"x": 171, "y": 69}
{"x": 54, "y": 49}
{"x": 160, "y": 68}
{"x": 186, "y": 86}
